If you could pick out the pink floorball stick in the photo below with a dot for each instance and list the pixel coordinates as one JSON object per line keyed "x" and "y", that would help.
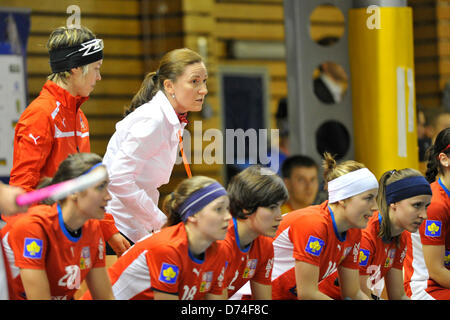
{"x": 63, "y": 189}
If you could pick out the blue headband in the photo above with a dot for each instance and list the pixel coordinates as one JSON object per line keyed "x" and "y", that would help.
{"x": 200, "y": 199}
{"x": 92, "y": 168}
{"x": 407, "y": 188}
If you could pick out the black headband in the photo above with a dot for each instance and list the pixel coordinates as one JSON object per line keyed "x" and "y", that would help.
{"x": 64, "y": 59}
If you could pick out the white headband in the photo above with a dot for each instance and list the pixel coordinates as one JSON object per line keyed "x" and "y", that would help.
{"x": 351, "y": 184}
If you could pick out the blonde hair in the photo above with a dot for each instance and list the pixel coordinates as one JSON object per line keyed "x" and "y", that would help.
{"x": 183, "y": 191}
{"x": 332, "y": 170}
{"x": 171, "y": 66}
{"x": 64, "y": 37}
{"x": 386, "y": 179}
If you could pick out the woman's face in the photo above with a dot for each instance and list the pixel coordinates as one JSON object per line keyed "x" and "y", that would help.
{"x": 408, "y": 214}
{"x": 92, "y": 201}
{"x": 359, "y": 208}
{"x": 265, "y": 220}
{"x": 189, "y": 88}
{"x": 84, "y": 84}
{"x": 213, "y": 219}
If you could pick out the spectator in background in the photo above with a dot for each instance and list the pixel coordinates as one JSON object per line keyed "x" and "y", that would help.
{"x": 283, "y": 125}
{"x": 301, "y": 176}
{"x": 279, "y": 148}
{"x": 438, "y": 120}
{"x": 331, "y": 83}
{"x": 424, "y": 140}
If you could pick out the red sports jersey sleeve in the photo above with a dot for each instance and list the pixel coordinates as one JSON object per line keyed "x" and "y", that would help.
{"x": 164, "y": 266}
{"x": 29, "y": 243}
{"x": 308, "y": 236}
{"x": 433, "y": 231}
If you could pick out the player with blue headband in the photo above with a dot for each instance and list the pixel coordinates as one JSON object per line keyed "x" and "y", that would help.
{"x": 184, "y": 260}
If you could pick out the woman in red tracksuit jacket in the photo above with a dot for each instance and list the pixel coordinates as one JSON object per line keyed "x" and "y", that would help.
{"x": 53, "y": 125}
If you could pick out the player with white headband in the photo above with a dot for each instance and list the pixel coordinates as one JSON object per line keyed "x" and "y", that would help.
{"x": 314, "y": 242}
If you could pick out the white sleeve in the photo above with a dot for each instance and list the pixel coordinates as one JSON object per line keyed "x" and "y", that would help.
{"x": 142, "y": 142}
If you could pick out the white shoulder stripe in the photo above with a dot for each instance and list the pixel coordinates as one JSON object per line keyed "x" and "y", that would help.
{"x": 15, "y": 271}
{"x": 133, "y": 280}
{"x": 55, "y": 112}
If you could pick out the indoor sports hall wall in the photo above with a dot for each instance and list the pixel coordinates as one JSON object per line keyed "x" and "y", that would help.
{"x": 431, "y": 49}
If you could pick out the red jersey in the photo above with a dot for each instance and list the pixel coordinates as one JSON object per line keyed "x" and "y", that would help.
{"x": 310, "y": 235}
{"x": 433, "y": 231}
{"x": 376, "y": 258}
{"x": 252, "y": 263}
{"x": 39, "y": 240}
{"x": 50, "y": 128}
{"x": 162, "y": 262}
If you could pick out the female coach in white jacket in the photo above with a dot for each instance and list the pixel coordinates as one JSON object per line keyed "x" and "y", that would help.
{"x": 141, "y": 153}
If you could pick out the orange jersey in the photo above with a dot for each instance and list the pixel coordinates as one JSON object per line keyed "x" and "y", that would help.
{"x": 162, "y": 262}
{"x": 39, "y": 240}
{"x": 310, "y": 235}
{"x": 433, "y": 231}
{"x": 51, "y": 127}
{"x": 252, "y": 263}
{"x": 376, "y": 257}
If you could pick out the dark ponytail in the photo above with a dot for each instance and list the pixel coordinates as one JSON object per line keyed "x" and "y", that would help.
{"x": 432, "y": 154}
{"x": 147, "y": 91}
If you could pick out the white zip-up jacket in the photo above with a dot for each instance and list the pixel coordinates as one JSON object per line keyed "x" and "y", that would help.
{"x": 140, "y": 157}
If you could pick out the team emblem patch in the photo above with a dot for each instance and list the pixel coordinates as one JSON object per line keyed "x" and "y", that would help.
{"x": 205, "y": 285}
{"x": 433, "y": 228}
{"x": 363, "y": 257}
{"x": 250, "y": 268}
{"x": 85, "y": 260}
{"x": 169, "y": 273}
{"x": 390, "y": 258}
{"x": 33, "y": 248}
{"x": 314, "y": 246}
{"x": 447, "y": 258}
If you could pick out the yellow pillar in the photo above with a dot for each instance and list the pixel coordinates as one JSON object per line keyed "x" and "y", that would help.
{"x": 383, "y": 95}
